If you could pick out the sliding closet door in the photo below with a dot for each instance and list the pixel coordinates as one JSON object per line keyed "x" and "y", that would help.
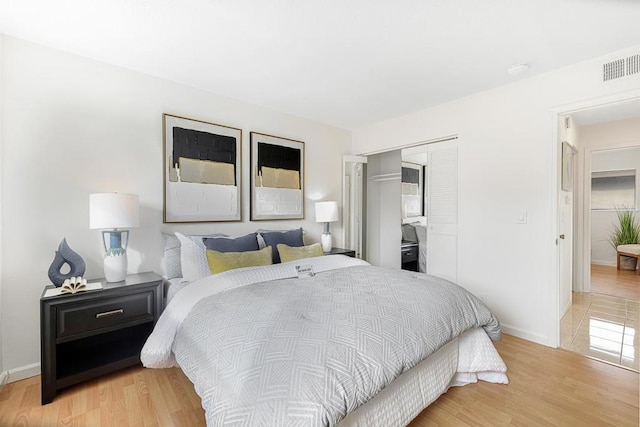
{"x": 442, "y": 210}
{"x": 384, "y": 201}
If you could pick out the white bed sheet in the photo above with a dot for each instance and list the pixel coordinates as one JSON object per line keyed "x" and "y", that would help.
{"x": 465, "y": 360}
{"x": 173, "y": 286}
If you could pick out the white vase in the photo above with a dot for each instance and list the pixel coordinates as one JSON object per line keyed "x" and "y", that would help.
{"x": 326, "y": 242}
{"x": 115, "y": 267}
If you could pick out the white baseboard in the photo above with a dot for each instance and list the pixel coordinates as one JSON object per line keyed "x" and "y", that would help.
{"x": 517, "y": 332}
{"x": 23, "y": 372}
{"x": 4, "y": 379}
{"x": 605, "y": 263}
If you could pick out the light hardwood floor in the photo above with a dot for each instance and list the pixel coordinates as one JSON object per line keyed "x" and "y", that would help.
{"x": 611, "y": 281}
{"x": 547, "y": 387}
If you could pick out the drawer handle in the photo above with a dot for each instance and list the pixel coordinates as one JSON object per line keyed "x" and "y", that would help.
{"x": 109, "y": 313}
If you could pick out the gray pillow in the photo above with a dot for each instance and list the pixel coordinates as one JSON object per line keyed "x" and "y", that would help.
{"x": 291, "y": 238}
{"x": 229, "y": 244}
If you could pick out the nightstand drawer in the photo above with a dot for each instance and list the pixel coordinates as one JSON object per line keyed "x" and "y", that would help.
{"x": 409, "y": 254}
{"x": 105, "y": 312}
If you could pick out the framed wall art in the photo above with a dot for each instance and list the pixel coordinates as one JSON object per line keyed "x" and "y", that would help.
{"x": 277, "y": 178}
{"x": 202, "y": 171}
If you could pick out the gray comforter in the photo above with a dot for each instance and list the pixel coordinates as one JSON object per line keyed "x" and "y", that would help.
{"x": 309, "y": 351}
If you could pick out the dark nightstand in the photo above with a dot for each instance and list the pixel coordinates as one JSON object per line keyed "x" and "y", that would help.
{"x": 93, "y": 333}
{"x": 409, "y": 256}
{"x": 340, "y": 251}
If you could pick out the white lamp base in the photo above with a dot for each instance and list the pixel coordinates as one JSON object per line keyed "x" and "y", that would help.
{"x": 326, "y": 242}
{"x": 115, "y": 267}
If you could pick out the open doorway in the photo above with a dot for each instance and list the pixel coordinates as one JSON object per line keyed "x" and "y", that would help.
{"x": 602, "y": 320}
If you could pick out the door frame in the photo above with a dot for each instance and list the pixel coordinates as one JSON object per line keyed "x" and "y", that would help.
{"x": 555, "y": 183}
{"x": 346, "y": 206}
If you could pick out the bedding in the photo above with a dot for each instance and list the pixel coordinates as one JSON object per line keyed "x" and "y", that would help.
{"x": 171, "y": 261}
{"x": 292, "y": 238}
{"x": 172, "y": 286}
{"x": 288, "y": 253}
{"x": 220, "y": 262}
{"x": 245, "y": 243}
{"x": 193, "y": 259}
{"x": 263, "y": 347}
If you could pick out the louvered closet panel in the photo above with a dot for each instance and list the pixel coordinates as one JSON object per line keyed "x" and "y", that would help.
{"x": 443, "y": 186}
{"x": 442, "y": 217}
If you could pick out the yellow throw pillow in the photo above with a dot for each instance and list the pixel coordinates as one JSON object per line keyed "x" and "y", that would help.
{"x": 289, "y": 253}
{"x": 223, "y": 261}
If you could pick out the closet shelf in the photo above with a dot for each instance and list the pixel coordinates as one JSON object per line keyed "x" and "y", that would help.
{"x": 386, "y": 177}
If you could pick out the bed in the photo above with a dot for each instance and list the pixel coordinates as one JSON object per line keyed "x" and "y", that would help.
{"x": 344, "y": 347}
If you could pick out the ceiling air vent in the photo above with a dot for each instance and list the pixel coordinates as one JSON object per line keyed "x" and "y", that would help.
{"x": 621, "y": 67}
{"x": 633, "y": 65}
{"x": 613, "y": 70}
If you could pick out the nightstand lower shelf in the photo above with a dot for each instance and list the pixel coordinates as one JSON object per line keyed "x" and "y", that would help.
{"x": 79, "y": 359}
{"x": 93, "y": 333}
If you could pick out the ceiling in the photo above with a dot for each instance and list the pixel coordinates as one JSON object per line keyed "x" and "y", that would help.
{"x": 344, "y": 63}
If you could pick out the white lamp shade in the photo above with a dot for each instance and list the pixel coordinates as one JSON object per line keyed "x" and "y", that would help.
{"x": 113, "y": 210}
{"x": 326, "y": 211}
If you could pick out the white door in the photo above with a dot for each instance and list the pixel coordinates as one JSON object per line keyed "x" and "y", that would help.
{"x": 442, "y": 210}
{"x": 565, "y": 212}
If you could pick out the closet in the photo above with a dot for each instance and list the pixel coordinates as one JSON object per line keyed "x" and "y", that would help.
{"x": 429, "y": 205}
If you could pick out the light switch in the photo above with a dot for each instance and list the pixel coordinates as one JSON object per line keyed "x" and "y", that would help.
{"x": 521, "y": 217}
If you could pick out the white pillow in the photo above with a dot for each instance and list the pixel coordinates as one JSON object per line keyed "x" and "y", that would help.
{"x": 193, "y": 257}
{"x": 171, "y": 258}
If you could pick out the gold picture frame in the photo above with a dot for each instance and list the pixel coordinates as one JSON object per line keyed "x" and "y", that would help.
{"x": 202, "y": 171}
{"x": 277, "y": 177}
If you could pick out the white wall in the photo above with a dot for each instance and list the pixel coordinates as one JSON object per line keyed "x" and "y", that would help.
{"x": 3, "y": 373}
{"x": 507, "y": 164}
{"x": 73, "y": 126}
{"x": 602, "y": 140}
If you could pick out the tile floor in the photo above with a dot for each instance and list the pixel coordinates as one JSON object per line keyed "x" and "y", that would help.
{"x": 603, "y": 327}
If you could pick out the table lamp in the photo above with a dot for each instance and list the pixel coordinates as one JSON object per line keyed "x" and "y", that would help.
{"x": 326, "y": 212}
{"x": 112, "y": 212}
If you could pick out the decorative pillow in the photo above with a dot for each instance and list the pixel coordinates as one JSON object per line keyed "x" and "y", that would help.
{"x": 261, "y": 231}
{"x": 223, "y": 261}
{"x": 230, "y": 244}
{"x": 171, "y": 258}
{"x": 193, "y": 259}
{"x": 287, "y": 253}
{"x": 173, "y": 253}
{"x": 291, "y": 238}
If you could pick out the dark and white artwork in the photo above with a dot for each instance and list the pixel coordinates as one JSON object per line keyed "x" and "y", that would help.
{"x": 202, "y": 171}
{"x": 277, "y": 178}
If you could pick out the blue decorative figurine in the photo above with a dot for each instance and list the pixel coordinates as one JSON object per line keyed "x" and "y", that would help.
{"x": 65, "y": 255}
